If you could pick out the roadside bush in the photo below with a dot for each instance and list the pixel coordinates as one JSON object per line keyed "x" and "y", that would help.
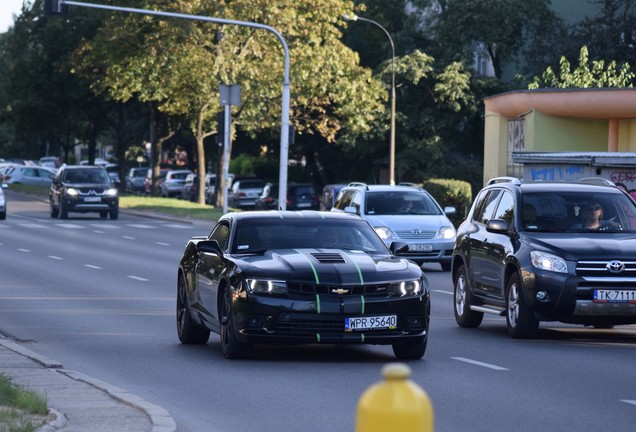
{"x": 454, "y": 193}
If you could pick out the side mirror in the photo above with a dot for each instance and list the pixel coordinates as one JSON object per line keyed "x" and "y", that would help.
{"x": 398, "y": 247}
{"x": 497, "y": 226}
{"x": 449, "y": 211}
{"x": 209, "y": 246}
{"x": 351, "y": 209}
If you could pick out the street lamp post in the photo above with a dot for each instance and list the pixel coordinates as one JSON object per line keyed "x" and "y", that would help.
{"x": 392, "y": 154}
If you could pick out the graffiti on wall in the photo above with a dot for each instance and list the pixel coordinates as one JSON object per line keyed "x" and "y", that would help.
{"x": 558, "y": 173}
{"x": 625, "y": 180}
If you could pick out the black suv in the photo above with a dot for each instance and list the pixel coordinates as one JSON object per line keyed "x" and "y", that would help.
{"x": 525, "y": 251}
{"x": 83, "y": 189}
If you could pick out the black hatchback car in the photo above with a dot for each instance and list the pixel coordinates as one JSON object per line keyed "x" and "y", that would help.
{"x": 547, "y": 252}
{"x": 83, "y": 189}
{"x": 283, "y": 277}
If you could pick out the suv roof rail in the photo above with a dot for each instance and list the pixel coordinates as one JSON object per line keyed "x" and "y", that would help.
{"x": 596, "y": 180}
{"x": 513, "y": 180}
{"x": 357, "y": 184}
{"x": 414, "y": 185}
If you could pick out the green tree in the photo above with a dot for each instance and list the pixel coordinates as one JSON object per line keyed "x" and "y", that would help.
{"x": 585, "y": 75}
{"x": 178, "y": 65}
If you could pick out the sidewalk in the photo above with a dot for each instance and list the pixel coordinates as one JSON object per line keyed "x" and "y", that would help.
{"x": 79, "y": 403}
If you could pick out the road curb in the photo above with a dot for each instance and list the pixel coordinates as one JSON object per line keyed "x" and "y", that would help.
{"x": 161, "y": 420}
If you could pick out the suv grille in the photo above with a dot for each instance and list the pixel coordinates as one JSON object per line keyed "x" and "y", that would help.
{"x": 602, "y": 268}
{"x": 312, "y": 289}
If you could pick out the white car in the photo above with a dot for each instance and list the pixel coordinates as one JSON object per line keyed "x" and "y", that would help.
{"x": 403, "y": 213}
{"x": 28, "y": 175}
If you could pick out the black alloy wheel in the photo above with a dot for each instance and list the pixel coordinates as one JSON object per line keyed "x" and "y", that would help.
{"x": 463, "y": 299}
{"x": 232, "y": 348}
{"x": 520, "y": 320}
{"x": 188, "y": 331}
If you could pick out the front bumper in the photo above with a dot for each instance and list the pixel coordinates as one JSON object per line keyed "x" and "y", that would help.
{"x": 441, "y": 251}
{"x": 570, "y": 298}
{"x": 304, "y": 319}
{"x": 79, "y": 205}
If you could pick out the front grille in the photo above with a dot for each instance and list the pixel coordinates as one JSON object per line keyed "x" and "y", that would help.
{"x": 602, "y": 269}
{"x": 91, "y": 190}
{"x": 415, "y": 234}
{"x": 337, "y": 290}
{"x": 310, "y": 327}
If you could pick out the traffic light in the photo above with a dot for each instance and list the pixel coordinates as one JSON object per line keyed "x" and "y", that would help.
{"x": 55, "y": 8}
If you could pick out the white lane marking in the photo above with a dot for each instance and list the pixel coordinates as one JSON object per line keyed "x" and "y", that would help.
{"x": 162, "y": 244}
{"x": 104, "y": 226}
{"x": 177, "y": 226}
{"x": 55, "y": 257}
{"x": 478, "y": 363}
{"x": 129, "y": 237}
{"x": 99, "y": 232}
{"x": 70, "y": 226}
{"x": 32, "y": 225}
{"x": 92, "y": 266}
{"x": 138, "y": 278}
{"x": 24, "y": 250}
{"x": 142, "y": 226}
{"x": 627, "y": 401}
{"x": 443, "y": 292}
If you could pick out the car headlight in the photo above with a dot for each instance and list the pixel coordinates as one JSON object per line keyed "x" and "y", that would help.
{"x": 110, "y": 192}
{"x": 446, "y": 233}
{"x": 400, "y": 289}
{"x": 264, "y": 286}
{"x": 385, "y": 233}
{"x": 549, "y": 262}
{"x": 72, "y": 192}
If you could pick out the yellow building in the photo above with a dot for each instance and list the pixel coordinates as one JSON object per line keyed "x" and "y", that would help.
{"x": 557, "y": 120}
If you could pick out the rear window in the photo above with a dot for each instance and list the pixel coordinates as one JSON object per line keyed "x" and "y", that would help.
{"x": 302, "y": 190}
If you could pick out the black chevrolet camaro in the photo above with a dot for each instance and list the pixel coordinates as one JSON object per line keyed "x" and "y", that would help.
{"x": 272, "y": 277}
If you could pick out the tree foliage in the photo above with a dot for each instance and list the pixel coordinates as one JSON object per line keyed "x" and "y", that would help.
{"x": 585, "y": 75}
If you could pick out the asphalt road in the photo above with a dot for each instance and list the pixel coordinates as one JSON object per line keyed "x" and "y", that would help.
{"x": 99, "y": 296}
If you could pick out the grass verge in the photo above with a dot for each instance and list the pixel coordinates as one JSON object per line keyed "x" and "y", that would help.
{"x": 168, "y": 206}
{"x": 21, "y": 410}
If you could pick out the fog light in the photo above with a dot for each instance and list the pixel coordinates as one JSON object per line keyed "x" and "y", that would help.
{"x": 255, "y": 321}
{"x": 542, "y": 295}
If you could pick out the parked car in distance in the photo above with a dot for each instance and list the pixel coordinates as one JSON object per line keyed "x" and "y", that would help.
{"x": 148, "y": 179}
{"x": 113, "y": 172}
{"x": 525, "y": 252}
{"x": 328, "y": 196}
{"x": 173, "y": 182}
{"x": 135, "y": 180}
{"x": 28, "y": 175}
{"x": 3, "y": 203}
{"x": 190, "y": 188}
{"x": 83, "y": 189}
{"x": 283, "y": 278}
{"x": 300, "y": 196}
{"x": 244, "y": 193}
{"x": 403, "y": 213}
{"x": 52, "y": 162}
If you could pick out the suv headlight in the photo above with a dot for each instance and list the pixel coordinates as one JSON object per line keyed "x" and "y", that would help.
{"x": 265, "y": 286}
{"x": 446, "y": 232}
{"x": 385, "y": 233}
{"x": 110, "y": 192}
{"x": 400, "y": 289}
{"x": 549, "y": 262}
{"x": 72, "y": 192}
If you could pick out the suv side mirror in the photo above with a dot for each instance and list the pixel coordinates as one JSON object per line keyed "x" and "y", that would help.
{"x": 449, "y": 211}
{"x": 351, "y": 209}
{"x": 498, "y": 226}
{"x": 209, "y": 246}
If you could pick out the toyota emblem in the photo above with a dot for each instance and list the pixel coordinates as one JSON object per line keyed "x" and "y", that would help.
{"x": 615, "y": 266}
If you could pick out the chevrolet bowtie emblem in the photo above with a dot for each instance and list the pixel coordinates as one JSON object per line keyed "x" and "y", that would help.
{"x": 340, "y": 291}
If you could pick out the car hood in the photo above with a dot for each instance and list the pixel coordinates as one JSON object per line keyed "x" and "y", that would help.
{"x": 402, "y": 222}
{"x": 586, "y": 246}
{"x": 327, "y": 266}
{"x": 89, "y": 185}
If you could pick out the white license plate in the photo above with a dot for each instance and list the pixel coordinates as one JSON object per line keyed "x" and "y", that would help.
{"x": 92, "y": 199}
{"x": 615, "y": 296}
{"x": 304, "y": 205}
{"x": 421, "y": 247}
{"x": 371, "y": 323}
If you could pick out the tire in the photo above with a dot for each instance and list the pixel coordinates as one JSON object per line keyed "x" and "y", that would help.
{"x": 188, "y": 331}
{"x": 446, "y": 266}
{"x": 463, "y": 299}
{"x": 520, "y": 320}
{"x": 114, "y": 214}
{"x": 231, "y": 347}
{"x": 3, "y": 215}
{"x": 54, "y": 212}
{"x": 409, "y": 351}
{"x": 63, "y": 213}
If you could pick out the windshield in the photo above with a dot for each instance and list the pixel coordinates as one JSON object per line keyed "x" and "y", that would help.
{"x": 259, "y": 235}
{"x": 400, "y": 203}
{"x": 578, "y": 212}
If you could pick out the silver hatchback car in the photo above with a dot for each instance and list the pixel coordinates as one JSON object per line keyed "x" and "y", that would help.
{"x": 406, "y": 214}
